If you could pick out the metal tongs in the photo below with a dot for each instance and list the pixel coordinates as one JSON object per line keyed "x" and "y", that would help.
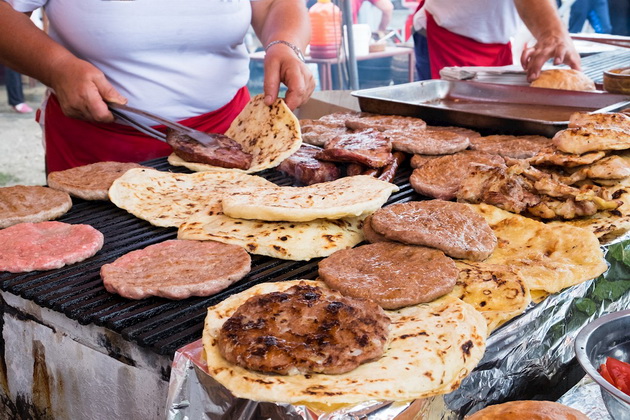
{"x": 120, "y": 111}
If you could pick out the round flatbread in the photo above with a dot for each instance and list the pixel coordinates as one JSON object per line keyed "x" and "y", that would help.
{"x": 89, "y": 182}
{"x": 176, "y": 269}
{"x": 270, "y": 133}
{"x": 391, "y": 274}
{"x": 344, "y": 197}
{"x": 32, "y": 204}
{"x": 46, "y": 245}
{"x": 432, "y": 348}
{"x": 564, "y": 79}
{"x": 451, "y": 227}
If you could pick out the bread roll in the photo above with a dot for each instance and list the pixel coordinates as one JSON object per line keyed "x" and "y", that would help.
{"x": 565, "y": 79}
{"x": 528, "y": 410}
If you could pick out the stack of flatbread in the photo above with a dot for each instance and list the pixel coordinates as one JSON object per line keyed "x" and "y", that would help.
{"x": 283, "y": 222}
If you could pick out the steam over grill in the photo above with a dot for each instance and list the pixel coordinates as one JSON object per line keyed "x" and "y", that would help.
{"x": 158, "y": 324}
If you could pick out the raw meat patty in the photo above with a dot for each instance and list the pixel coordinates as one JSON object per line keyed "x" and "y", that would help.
{"x": 46, "y": 245}
{"x": 304, "y": 329}
{"x": 176, "y": 269}
{"x": 391, "y": 274}
{"x": 441, "y": 177}
{"x": 451, "y": 227}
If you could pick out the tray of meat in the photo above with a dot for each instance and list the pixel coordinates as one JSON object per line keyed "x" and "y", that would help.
{"x": 484, "y": 106}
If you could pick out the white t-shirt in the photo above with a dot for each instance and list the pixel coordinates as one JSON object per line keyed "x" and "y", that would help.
{"x": 486, "y": 21}
{"x": 176, "y": 58}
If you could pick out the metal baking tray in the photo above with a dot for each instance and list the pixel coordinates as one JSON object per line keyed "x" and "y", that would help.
{"x": 489, "y": 108}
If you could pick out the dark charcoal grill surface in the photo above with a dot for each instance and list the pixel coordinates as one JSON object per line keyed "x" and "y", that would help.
{"x": 158, "y": 324}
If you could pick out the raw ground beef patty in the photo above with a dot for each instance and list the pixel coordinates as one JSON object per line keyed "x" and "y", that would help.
{"x": 451, "y": 227}
{"x": 46, "y": 245}
{"x": 304, "y": 329}
{"x": 391, "y": 274}
{"x": 176, "y": 269}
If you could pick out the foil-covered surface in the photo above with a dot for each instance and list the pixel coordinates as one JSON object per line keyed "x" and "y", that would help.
{"x": 523, "y": 357}
{"x": 586, "y": 397}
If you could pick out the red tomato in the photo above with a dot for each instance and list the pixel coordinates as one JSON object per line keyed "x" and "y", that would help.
{"x": 604, "y": 372}
{"x": 620, "y": 373}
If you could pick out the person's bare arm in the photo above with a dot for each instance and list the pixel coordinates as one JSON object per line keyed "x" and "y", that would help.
{"x": 80, "y": 87}
{"x": 552, "y": 38}
{"x": 387, "y": 9}
{"x": 285, "y": 20}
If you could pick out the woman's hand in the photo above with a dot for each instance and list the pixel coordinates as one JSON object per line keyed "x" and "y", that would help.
{"x": 83, "y": 90}
{"x": 282, "y": 65}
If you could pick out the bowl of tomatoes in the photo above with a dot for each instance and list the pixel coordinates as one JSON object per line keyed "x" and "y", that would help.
{"x": 603, "y": 349}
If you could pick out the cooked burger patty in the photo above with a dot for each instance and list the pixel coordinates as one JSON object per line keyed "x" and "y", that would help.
{"x": 305, "y": 329}
{"x": 391, "y": 274}
{"x": 451, "y": 227}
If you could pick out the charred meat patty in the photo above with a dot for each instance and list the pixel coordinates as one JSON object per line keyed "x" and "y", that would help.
{"x": 304, "y": 329}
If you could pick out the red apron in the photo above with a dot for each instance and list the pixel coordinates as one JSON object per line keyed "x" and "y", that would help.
{"x": 71, "y": 142}
{"x": 447, "y": 49}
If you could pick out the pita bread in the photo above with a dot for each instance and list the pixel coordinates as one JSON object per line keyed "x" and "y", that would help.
{"x": 270, "y": 133}
{"x": 529, "y": 410}
{"x": 89, "y": 182}
{"x": 565, "y": 79}
{"x": 344, "y": 197}
{"x": 549, "y": 258}
{"x": 168, "y": 199}
{"x": 297, "y": 241}
{"x": 431, "y": 348}
{"x": 32, "y": 203}
{"x": 497, "y": 291}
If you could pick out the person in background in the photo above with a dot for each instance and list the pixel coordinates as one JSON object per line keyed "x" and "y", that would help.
{"x": 595, "y": 11}
{"x": 478, "y": 32}
{"x": 619, "y": 12}
{"x": 183, "y": 60}
{"x": 15, "y": 91}
{"x": 385, "y": 6}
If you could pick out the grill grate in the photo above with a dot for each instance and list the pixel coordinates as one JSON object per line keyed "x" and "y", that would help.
{"x": 158, "y": 324}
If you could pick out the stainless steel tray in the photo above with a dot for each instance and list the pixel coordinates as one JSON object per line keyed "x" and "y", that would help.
{"x": 491, "y": 108}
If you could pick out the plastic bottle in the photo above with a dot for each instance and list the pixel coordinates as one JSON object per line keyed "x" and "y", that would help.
{"x": 325, "y": 19}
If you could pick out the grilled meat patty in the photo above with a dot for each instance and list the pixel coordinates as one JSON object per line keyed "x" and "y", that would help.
{"x": 307, "y": 170}
{"x": 367, "y": 147}
{"x": 305, "y": 329}
{"x": 229, "y": 154}
{"x": 391, "y": 274}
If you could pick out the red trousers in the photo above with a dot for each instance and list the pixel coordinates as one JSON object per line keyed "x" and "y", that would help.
{"x": 71, "y": 142}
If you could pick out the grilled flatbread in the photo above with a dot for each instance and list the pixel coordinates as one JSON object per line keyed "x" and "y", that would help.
{"x": 32, "y": 203}
{"x": 431, "y": 348}
{"x": 345, "y": 197}
{"x": 270, "y": 133}
{"x": 497, "y": 291}
{"x": 298, "y": 241}
{"x": 549, "y": 258}
{"x": 168, "y": 199}
{"x": 89, "y": 182}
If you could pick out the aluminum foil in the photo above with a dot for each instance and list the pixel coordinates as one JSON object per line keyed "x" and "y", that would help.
{"x": 587, "y": 398}
{"x": 523, "y": 357}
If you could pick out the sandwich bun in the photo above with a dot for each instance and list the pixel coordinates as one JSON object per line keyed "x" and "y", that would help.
{"x": 528, "y": 410}
{"x": 565, "y": 79}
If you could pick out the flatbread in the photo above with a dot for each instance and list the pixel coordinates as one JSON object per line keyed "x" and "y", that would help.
{"x": 28, "y": 247}
{"x": 344, "y": 197}
{"x": 549, "y": 258}
{"x": 270, "y": 133}
{"x": 431, "y": 348}
{"x": 297, "y": 241}
{"x": 89, "y": 182}
{"x": 176, "y": 270}
{"x": 497, "y": 291}
{"x": 167, "y": 199}
{"x": 32, "y": 203}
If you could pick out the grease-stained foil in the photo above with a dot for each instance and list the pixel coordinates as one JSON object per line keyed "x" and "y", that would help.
{"x": 522, "y": 357}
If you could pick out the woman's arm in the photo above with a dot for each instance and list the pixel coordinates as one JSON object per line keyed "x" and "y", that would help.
{"x": 80, "y": 87}
{"x": 285, "y": 20}
{"x": 552, "y": 38}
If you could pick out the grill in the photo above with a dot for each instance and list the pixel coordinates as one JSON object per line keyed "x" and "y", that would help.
{"x": 595, "y": 65}
{"x": 158, "y": 324}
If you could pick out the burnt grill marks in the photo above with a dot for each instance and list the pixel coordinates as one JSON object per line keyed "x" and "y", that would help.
{"x": 160, "y": 325}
